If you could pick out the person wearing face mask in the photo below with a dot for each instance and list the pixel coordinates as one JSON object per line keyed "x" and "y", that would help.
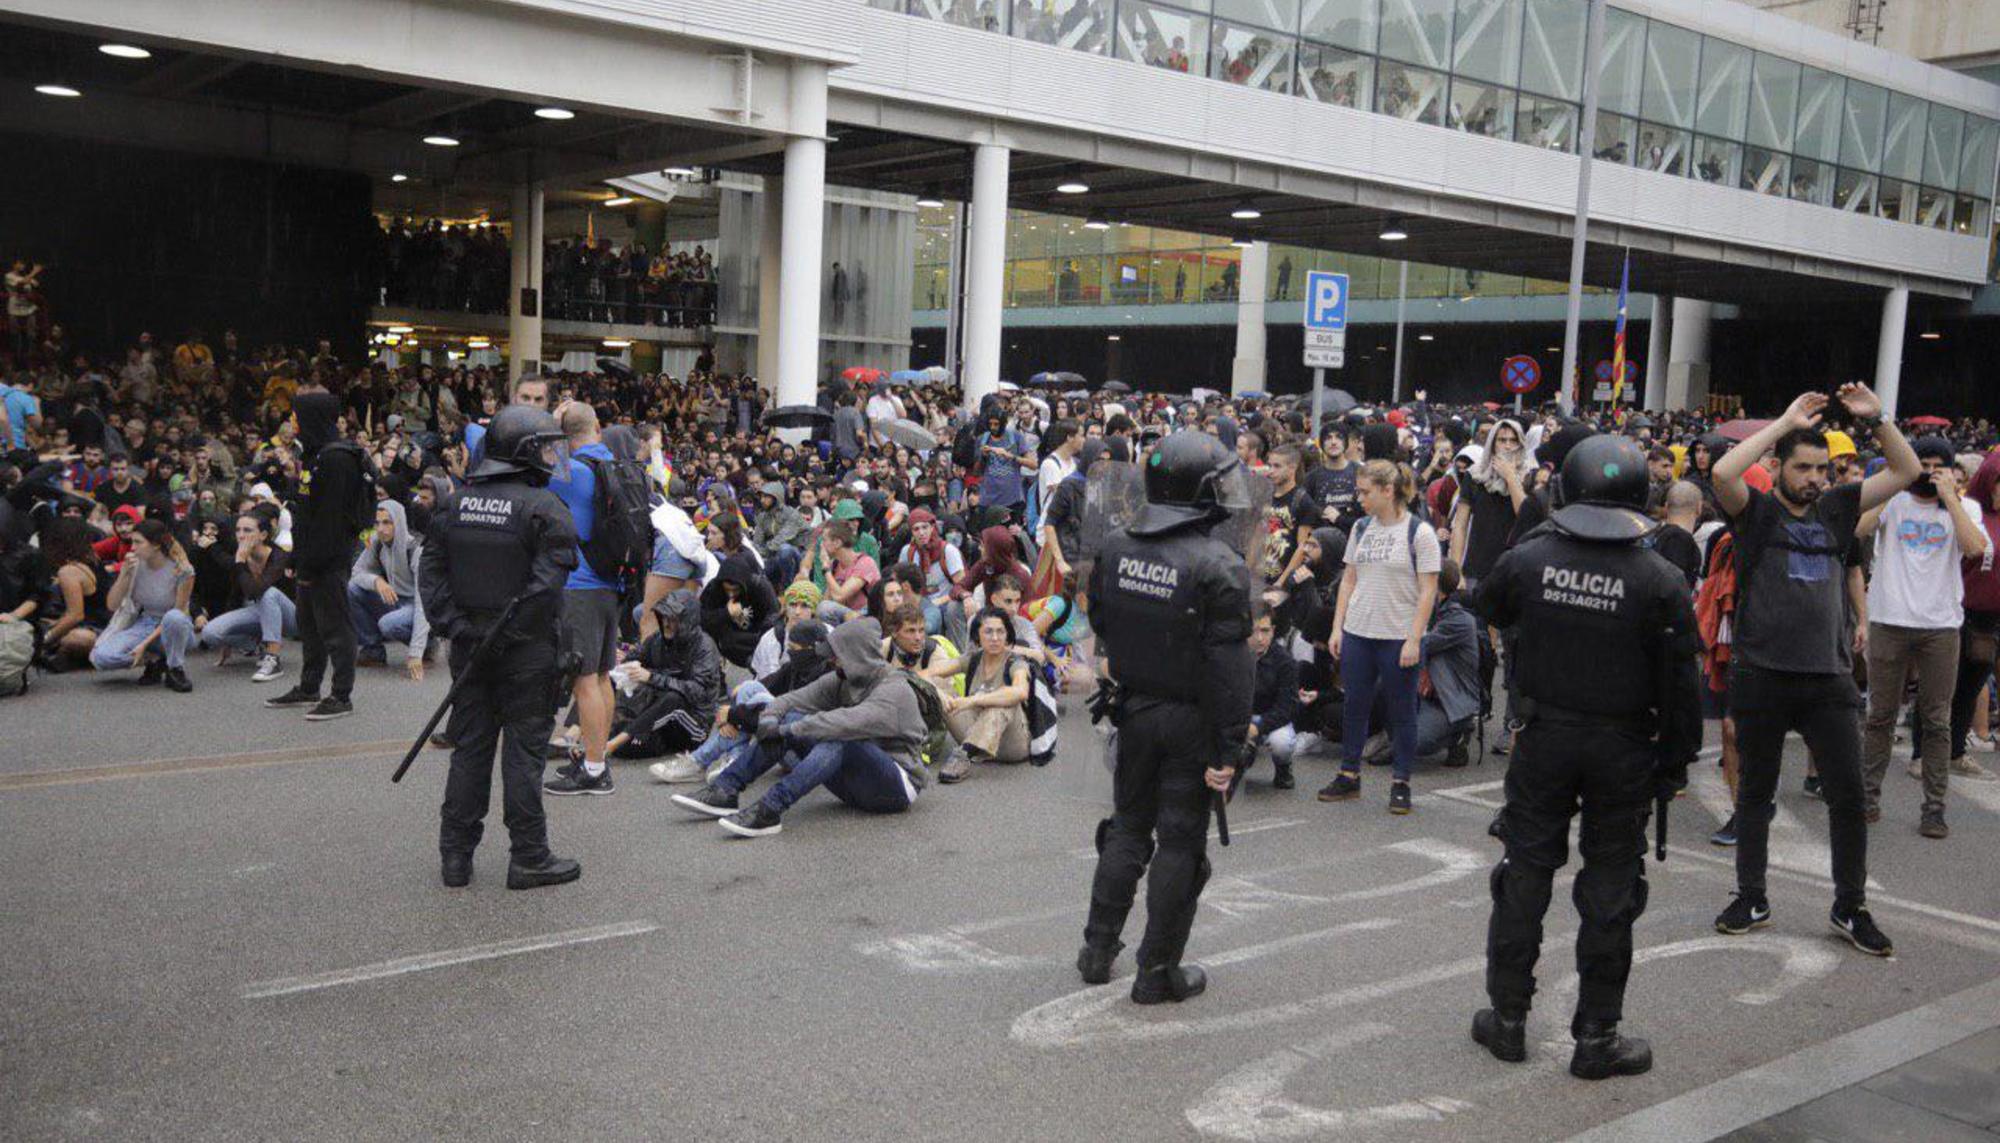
{"x": 1489, "y": 497}
{"x": 1915, "y": 610}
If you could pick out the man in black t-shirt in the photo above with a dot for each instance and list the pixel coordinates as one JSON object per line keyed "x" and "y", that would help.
{"x": 1331, "y": 485}
{"x": 1791, "y": 665}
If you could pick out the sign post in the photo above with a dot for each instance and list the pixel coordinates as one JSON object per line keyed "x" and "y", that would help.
{"x": 1520, "y": 374}
{"x": 1325, "y": 331}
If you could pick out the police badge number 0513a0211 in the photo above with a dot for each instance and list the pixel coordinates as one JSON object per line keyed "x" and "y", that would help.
{"x": 1590, "y": 591}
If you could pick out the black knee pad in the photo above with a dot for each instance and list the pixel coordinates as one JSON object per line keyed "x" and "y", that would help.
{"x": 1494, "y": 880}
{"x": 1103, "y": 831}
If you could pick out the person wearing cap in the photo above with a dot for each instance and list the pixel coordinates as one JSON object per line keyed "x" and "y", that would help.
{"x": 1915, "y": 610}
{"x": 1841, "y": 454}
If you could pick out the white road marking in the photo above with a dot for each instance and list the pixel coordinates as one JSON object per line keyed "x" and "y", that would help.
{"x": 1969, "y": 920}
{"x": 1250, "y": 1104}
{"x": 1471, "y": 795}
{"x": 1791, "y": 845}
{"x": 424, "y": 962}
{"x": 1235, "y": 831}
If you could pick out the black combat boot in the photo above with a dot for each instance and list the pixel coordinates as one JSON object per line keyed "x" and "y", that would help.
{"x": 1503, "y": 1034}
{"x": 457, "y": 870}
{"x": 1175, "y": 982}
{"x": 1601, "y": 1052}
{"x": 550, "y": 870}
{"x": 1095, "y": 961}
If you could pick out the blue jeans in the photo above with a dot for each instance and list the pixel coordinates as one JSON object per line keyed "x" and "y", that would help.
{"x": 1369, "y": 666}
{"x": 272, "y": 619}
{"x": 113, "y": 651}
{"x": 781, "y": 565}
{"x": 751, "y": 693}
{"x": 376, "y": 622}
{"x": 860, "y": 774}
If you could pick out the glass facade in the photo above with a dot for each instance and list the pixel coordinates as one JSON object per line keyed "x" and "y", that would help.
{"x": 1671, "y": 100}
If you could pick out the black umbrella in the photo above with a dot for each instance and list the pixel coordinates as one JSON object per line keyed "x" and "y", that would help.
{"x": 615, "y": 368}
{"x": 1339, "y": 401}
{"x": 1116, "y": 387}
{"x": 797, "y": 417}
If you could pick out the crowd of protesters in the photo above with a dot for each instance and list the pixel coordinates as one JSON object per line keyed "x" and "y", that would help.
{"x": 159, "y": 505}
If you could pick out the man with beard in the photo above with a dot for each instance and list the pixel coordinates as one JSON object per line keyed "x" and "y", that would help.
{"x": 1791, "y": 663}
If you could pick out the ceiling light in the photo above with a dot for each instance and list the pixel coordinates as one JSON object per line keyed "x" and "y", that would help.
{"x": 1394, "y": 232}
{"x": 1097, "y": 224}
{"x": 931, "y": 203}
{"x": 1930, "y": 335}
{"x": 125, "y": 51}
{"x": 399, "y": 177}
{"x": 679, "y": 172}
{"x": 554, "y": 113}
{"x": 1426, "y": 337}
{"x": 392, "y": 339}
{"x": 477, "y": 342}
{"x": 441, "y": 140}
{"x": 1245, "y": 213}
{"x": 615, "y": 343}
{"x": 1113, "y": 337}
{"x": 619, "y": 200}
{"x": 1073, "y": 188}
{"x": 1555, "y": 349}
{"x": 57, "y": 90}
{"x": 402, "y": 329}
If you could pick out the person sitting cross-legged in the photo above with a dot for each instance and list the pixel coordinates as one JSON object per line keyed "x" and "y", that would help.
{"x": 736, "y": 720}
{"x": 676, "y": 679}
{"x": 861, "y": 736}
{"x": 991, "y": 718}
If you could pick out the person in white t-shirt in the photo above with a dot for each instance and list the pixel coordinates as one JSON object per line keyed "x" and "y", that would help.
{"x": 1056, "y": 467}
{"x": 1915, "y": 608}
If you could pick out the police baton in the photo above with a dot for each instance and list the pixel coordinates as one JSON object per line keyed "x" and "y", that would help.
{"x": 1660, "y": 802}
{"x": 472, "y": 666}
{"x": 1222, "y": 816}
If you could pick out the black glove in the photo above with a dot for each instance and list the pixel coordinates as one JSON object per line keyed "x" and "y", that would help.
{"x": 769, "y": 730}
{"x": 1669, "y": 781}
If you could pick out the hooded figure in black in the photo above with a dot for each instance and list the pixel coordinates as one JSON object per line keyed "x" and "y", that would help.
{"x": 679, "y": 686}
{"x": 738, "y": 606}
{"x": 335, "y": 500}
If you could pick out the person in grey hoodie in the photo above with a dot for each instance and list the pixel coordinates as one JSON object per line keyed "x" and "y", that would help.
{"x": 382, "y": 600}
{"x": 778, "y": 534}
{"x": 857, "y": 730}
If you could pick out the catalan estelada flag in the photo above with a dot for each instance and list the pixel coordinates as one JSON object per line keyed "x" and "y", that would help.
{"x": 1618, "y": 337}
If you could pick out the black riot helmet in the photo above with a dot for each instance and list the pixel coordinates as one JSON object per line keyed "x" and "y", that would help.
{"x": 1186, "y": 478}
{"x": 1601, "y": 491}
{"x": 520, "y": 439}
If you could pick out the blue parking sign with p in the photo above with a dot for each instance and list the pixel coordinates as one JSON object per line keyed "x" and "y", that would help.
{"x": 1326, "y": 300}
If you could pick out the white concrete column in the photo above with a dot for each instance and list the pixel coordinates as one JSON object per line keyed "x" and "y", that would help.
{"x": 1889, "y": 350}
{"x": 524, "y": 332}
{"x": 1246, "y": 373}
{"x": 1655, "y": 366}
{"x": 985, "y": 271}
{"x": 770, "y": 230}
{"x": 1687, "y": 355}
{"x": 803, "y": 216}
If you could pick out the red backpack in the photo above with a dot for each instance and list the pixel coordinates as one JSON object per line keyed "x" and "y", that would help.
{"x": 1715, "y": 609}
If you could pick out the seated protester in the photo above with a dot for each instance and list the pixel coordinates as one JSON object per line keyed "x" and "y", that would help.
{"x": 680, "y": 559}
{"x": 997, "y": 557}
{"x": 799, "y": 604}
{"x": 938, "y": 562}
{"x": 1448, "y": 690}
{"x": 861, "y": 736}
{"x": 77, "y": 599}
{"x": 911, "y": 646}
{"x": 111, "y": 550}
{"x": 990, "y": 719}
{"x": 738, "y": 606}
{"x": 149, "y": 603}
{"x": 213, "y": 551}
{"x": 1275, "y": 701}
{"x": 676, "y": 682}
{"x": 382, "y": 601}
{"x": 264, "y": 616}
{"x": 1004, "y": 594}
{"x": 1063, "y": 627}
{"x": 850, "y": 575}
{"x": 805, "y": 660}
{"x": 778, "y": 533}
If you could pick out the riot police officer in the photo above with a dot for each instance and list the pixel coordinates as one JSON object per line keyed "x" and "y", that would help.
{"x": 1608, "y": 738}
{"x": 498, "y": 554}
{"x": 1170, "y": 604}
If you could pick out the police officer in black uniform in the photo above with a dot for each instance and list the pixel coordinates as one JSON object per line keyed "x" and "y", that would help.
{"x": 1170, "y": 604}
{"x": 504, "y": 540}
{"x": 1609, "y": 739}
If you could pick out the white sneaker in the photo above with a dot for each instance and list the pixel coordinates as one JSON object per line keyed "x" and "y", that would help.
{"x": 1967, "y": 768}
{"x": 269, "y": 667}
{"x": 681, "y": 768}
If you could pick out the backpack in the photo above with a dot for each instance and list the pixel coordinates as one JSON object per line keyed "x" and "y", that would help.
{"x": 360, "y": 513}
{"x": 621, "y": 538}
{"x": 1715, "y": 608}
{"x": 17, "y": 650}
{"x": 937, "y": 731}
{"x": 1410, "y": 541}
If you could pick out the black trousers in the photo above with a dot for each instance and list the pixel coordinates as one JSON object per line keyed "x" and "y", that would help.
{"x": 1157, "y": 791}
{"x": 1557, "y": 770}
{"x": 506, "y": 706}
{"x": 1826, "y": 711}
{"x": 326, "y": 633}
{"x": 1972, "y": 677}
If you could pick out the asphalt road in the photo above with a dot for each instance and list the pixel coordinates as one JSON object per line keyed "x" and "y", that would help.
{"x": 225, "y": 923}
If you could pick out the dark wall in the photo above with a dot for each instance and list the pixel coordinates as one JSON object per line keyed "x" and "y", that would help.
{"x": 137, "y": 239}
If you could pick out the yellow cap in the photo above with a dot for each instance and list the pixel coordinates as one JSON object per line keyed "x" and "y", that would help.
{"x": 1839, "y": 444}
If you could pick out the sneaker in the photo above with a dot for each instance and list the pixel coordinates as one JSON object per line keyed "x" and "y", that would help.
{"x": 1932, "y": 825}
{"x": 707, "y": 800}
{"x": 1344, "y": 787}
{"x": 1456, "y": 757}
{"x": 1726, "y": 836}
{"x": 957, "y": 766}
{"x": 268, "y": 667}
{"x": 1859, "y": 929}
{"x": 297, "y": 696}
{"x": 153, "y": 674}
{"x": 376, "y": 658}
{"x": 579, "y": 781}
{"x": 679, "y": 769}
{"x": 1813, "y": 789}
{"x": 550, "y": 870}
{"x": 757, "y": 821}
{"x": 1967, "y": 768}
{"x": 1399, "y": 797}
{"x": 1281, "y": 778}
{"x": 330, "y": 708}
{"x": 1743, "y": 915}
{"x": 177, "y": 681}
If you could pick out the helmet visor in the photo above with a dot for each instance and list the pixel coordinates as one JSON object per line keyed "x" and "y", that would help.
{"x": 555, "y": 455}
